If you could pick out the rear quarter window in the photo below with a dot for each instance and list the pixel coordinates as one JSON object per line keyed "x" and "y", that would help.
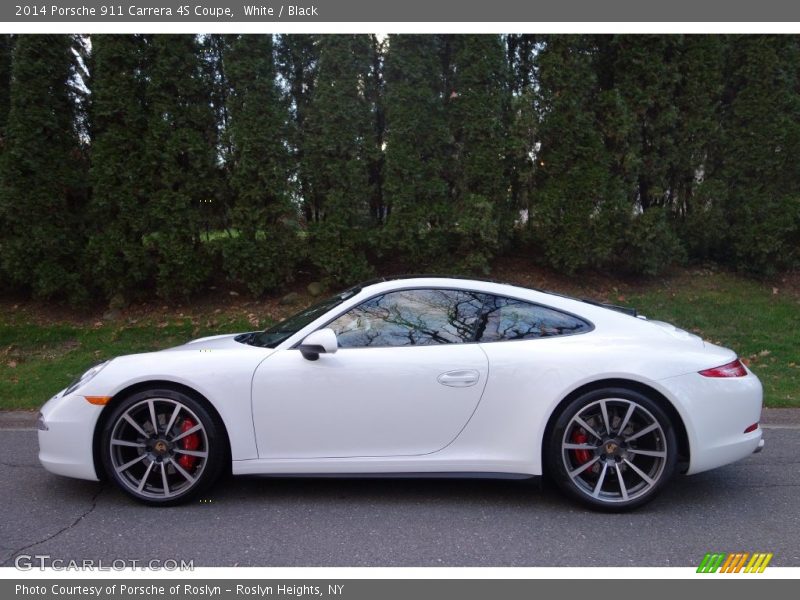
{"x": 505, "y": 319}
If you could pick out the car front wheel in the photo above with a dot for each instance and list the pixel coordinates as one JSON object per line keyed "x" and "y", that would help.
{"x": 612, "y": 449}
{"x": 162, "y": 447}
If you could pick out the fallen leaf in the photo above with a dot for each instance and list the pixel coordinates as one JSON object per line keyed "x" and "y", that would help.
{"x": 12, "y": 364}
{"x": 764, "y": 353}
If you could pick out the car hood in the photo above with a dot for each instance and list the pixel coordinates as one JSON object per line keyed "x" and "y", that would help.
{"x": 213, "y": 342}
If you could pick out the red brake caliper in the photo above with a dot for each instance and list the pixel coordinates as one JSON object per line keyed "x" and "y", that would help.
{"x": 579, "y": 437}
{"x": 190, "y": 442}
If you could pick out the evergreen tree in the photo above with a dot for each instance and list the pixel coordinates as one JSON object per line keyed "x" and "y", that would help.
{"x": 6, "y": 47}
{"x": 375, "y": 96}
{"x": 580, "y": 206}
{"x": 760, "y": 144}
{"x": 417, "y": 141}
{"x": 645, "y": 72}
{"x": 118, "y": 258}
{"x": 692, "y": 177}
{"x": 619, "y": 152}
{"x": 216, "y": 211}
{"x": 336, "y": 151}
{"x": 638, "y": 78}
{"x": 42, "y": 175}
{"x": 264, "y": 253}
{"x": 521, "y": 121}
{"x": 297, "y": 60}
{"x": 479, "y": 188}
{"x": 181, "y": 161}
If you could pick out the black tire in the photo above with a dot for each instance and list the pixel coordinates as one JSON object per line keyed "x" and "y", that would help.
{"x": 626, "y": 468}
{"x": 185, "y": 454}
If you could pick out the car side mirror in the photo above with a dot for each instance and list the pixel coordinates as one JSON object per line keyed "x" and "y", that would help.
{"x": 322, "y": 341}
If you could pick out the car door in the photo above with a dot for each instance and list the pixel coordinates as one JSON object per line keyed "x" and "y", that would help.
{"x": 405, "y": 381}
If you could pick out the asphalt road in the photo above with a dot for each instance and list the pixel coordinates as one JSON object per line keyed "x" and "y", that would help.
{"x": 750, "y": 506}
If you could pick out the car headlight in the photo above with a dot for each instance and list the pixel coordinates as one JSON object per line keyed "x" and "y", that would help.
{"x": 85, "y": 378}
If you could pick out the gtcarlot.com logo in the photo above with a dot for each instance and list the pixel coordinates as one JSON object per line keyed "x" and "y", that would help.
{"x": 27, "y": 562}
{"x": 736, "y": 562}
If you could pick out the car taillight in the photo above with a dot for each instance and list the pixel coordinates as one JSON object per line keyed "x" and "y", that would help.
{"x": 732, "y": 369}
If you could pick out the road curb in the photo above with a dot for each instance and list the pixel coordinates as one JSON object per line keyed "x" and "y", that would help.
{"x": 780, "y": 416}
{"x": 18, "y": 419}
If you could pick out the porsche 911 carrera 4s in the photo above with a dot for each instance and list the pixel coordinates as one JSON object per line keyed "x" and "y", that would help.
{"x": 416, "y": 376}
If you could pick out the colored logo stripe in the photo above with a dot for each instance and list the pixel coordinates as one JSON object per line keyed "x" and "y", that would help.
{"x": 758, "y": 563}
{"x": 734, "y": 562}
{"x": 711, "y": 562}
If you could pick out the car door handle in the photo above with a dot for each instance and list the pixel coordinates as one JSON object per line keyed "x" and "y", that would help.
{"x": 459, "y": 378}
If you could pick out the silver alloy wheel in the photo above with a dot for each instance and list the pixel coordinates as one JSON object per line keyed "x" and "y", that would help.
{"x": 614, "y": 450}
{"x": 147, "y": 443}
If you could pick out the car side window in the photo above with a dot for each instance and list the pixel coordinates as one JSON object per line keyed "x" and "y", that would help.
{"x": 416, "y": 317}
{"x": 510, "y": 319}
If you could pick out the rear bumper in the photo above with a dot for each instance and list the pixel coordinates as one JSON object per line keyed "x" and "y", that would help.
{"x": 716, "y": 412}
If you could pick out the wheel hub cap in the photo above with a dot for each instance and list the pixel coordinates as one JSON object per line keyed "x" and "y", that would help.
{"x": 612, "y": 450}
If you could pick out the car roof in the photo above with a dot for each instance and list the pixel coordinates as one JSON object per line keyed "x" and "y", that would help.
{"x": 441, "y": 279}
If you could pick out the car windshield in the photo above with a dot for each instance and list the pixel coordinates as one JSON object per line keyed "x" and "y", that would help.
{"x": 271, "y": 337}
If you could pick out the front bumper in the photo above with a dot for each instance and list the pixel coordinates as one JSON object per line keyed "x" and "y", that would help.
{"x": 716, "y": 412}
{"x": 66, "y": 432}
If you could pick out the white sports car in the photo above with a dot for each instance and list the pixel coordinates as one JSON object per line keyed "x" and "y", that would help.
{"x": 416, "y": 375}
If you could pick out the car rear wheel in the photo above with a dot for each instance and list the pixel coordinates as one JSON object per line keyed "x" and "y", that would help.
{"x": 162, "y": 447}
{"x": 612, "y": 449}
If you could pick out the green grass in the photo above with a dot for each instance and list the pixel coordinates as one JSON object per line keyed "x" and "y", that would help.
{"x": 38, "y": 360}
{"x": 38, "y": 357}
{"x": 763, "y": 327}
